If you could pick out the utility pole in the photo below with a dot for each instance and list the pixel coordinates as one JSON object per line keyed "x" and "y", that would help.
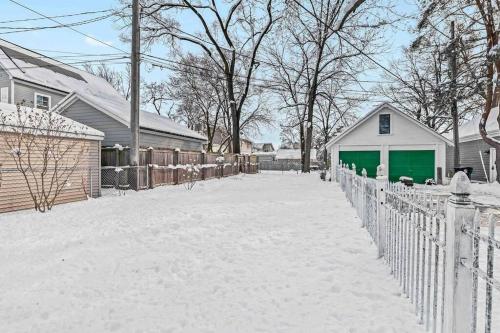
{"x": 135, "y": 88}
{"x": 453, "y": 92}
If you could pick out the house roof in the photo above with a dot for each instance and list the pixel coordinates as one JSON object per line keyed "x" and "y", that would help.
{"x": 260, "y": 145}
{"x": 374, "y": 112}
{"x": 12, "y": 118}
{"x": 81, "y": 85}
{"x": 470, "y": 130}
{"x": 293, "y": 154}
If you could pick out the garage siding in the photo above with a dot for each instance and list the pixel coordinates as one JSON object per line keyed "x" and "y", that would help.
{"x": 14, "y": 192}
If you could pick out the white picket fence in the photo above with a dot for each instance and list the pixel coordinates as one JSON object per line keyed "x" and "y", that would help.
{"x": 431, "y": 244}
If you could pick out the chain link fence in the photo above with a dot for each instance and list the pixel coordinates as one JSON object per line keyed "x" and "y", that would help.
{"x": 123, "y": 178}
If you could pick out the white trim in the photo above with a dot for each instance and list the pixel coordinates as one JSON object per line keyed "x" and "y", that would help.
{"x": 35, "y": 104}
{"x": 475, "y": 137}
{"x": 392, "y": 108}
{"x": 12, "y": 90}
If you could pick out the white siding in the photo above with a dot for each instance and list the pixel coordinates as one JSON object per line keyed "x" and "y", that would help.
{"x": 405, "y": 135}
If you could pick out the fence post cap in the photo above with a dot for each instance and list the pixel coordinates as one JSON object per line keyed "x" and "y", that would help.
{"x": 381, "y": 170}
{"x": 460, "y": 185}
{"x": 364, "y": 173}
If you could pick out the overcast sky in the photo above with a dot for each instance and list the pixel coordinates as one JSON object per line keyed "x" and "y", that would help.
{"x": 55, "y": 42}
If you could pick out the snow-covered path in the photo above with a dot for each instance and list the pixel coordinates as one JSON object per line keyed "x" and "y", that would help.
{"x": 253, "y": 253}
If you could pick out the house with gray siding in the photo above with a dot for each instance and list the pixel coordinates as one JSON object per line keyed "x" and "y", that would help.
{"x": 474, "y": 152}
{"x": 36, "y": 80}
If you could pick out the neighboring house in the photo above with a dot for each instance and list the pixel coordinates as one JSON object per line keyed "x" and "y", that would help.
{"x": 30, "y": 77}
{"x": 293, "y": 156}
{"x": 246, "y": 146}
{"x": 85, "y": 181}
{"x": 474, "y": 152}
{"x": 388, "y": 136}
{"x": 220, "y": 143}
{"x": 263, "y": 147}
{"x": 263, "y": 156}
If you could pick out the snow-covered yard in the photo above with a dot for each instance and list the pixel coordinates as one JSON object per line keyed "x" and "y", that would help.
{"x": 252, "y": 253}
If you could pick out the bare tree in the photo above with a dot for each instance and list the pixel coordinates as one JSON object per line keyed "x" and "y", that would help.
{"x": 423, "y": 90}
{"x": 158, "y": 95}
{"x": 120, "y": 80}
{"x": 489, "y": 10}
{"x": 231, "y": 36}
{"x": 332, "y": 115}
{"x": 46, "y": 149}
{"x": 325, "y": 36}
{"x": 478, "y": 35}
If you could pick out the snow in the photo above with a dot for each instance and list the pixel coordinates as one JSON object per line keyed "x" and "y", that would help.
{"x": 251, "y": 253}
{"x": 89, "y": 88}
{"x": 37, "y": 121}
{"x": 471, "y": 128}
{"x": 484, "y": 194}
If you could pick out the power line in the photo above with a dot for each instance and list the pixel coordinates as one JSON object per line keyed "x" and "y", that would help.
{"x": 67, "y": 25}
{"x": 108, "y": 60}
{"x": 57, "y": 16}
{"x": 64, "y": 25}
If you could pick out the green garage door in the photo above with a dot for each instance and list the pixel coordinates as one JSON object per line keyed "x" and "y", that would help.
{"x": 417, "y": 164}
{"x": 368, "y": 160}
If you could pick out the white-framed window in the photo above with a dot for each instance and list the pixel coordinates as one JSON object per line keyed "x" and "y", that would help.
{"x": 42, "y": 101}
{"x": 384, "y": 124}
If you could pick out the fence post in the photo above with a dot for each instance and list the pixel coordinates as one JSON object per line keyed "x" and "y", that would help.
{"x": 176, "y": 162}
{"x": 117, "y": 164}
{"x": 149, "y": 166}
{"x": 381, "y": 218}
{"x": 362, "y": 203}
{"x": 458, "y": 292}
{"x": 353, "y": 187}
{"x": 203, "y": 163}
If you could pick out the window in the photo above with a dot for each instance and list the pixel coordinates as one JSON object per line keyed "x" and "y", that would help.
{"x": 384, "y": 124}
{"x": 4, "y": 95}
{"x": 42, "y": 101}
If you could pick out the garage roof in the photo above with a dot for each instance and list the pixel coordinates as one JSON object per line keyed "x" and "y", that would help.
{"x": 374, "y": 112}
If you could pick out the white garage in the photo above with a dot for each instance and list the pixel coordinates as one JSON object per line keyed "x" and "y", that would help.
{"x": 388, "y": 136}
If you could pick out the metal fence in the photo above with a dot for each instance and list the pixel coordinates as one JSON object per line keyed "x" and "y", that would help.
{"x": 124, "y": 178}
{"x": 434, "y": 247}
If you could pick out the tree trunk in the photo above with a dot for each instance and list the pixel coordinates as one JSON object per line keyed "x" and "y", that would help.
{"x": 235, "y": 116}
{"x": 302, "y": 147}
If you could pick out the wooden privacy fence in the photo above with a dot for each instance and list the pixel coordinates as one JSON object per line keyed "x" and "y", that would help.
{"x": 171, "y": 167}
{"x": 434, "y": 246}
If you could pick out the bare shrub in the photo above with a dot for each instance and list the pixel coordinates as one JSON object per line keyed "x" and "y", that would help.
{"x": 46, "y": 149}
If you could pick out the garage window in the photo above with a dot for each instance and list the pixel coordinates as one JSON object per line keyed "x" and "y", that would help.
{"x": 384, "y": 124}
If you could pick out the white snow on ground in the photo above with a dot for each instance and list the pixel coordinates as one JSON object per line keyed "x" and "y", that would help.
{"x": 486, "y": 194}
{"x": 253, "y": 253}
